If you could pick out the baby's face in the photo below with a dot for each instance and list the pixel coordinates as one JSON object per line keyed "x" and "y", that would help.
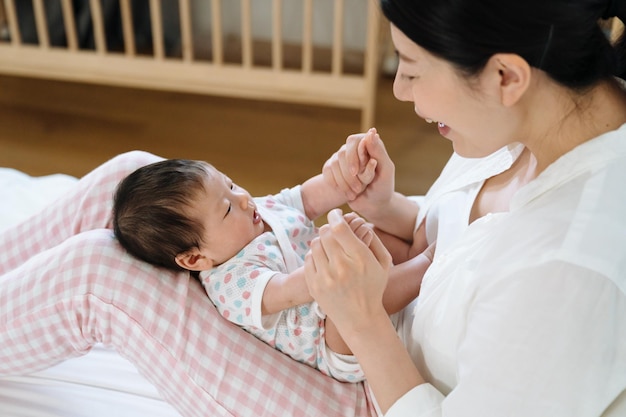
{"x": 229, "y": 215}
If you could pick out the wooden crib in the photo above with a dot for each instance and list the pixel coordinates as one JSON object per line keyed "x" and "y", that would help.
{"x": 237, "y": 65}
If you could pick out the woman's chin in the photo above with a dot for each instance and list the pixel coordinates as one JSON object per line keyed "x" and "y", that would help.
{"x": 468, "y": 152}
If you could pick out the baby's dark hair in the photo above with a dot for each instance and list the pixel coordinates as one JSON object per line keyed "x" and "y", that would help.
{"x": 149, "y": 217}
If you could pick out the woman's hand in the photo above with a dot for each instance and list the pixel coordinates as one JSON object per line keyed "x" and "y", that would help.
{"x": 362, "y": 229}
{"x": 351, "y": 169}
{"x": 345, "y": 276}
{"x": 362, "y": 169}
{"x": 348, "y": 279}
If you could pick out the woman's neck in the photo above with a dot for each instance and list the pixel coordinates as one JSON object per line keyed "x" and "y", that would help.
{"x": 576, "y": 118}
{"x": 496, "y": 193}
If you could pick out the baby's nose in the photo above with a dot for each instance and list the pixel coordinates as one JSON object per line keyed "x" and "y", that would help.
{"x": 244, "y": 200}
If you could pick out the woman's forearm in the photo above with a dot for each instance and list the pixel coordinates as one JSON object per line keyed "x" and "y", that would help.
{"x": 348, "y": 278}
{"x": 387, "y": 365}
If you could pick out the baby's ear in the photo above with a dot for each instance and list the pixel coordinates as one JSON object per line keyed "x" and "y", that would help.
{"x": 194, "y": 260}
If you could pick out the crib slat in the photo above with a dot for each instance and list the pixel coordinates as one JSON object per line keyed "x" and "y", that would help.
{"x": 371, "y": 69}
{"x": 305, "y": 86}
{"x": 216, "y": 32}
{"x": 16, "y": 37}
{"x": 41, "y": 24}
{"x": 98, "y": 26}
{"x": 337, "y": 49}
{"x": 3, "y": 15}
{"x": 246, "y": 34}
{"x": 127, "y": 28}
{"x": 185, "y": 29}
{"x": 307, "y": 37}
{"x": 157, "y": 28}
{"x": 277, "y": 35}
{"x": 70, "y": 25}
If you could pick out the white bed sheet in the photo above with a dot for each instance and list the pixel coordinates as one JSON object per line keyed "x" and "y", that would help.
{"x": 99, "y": 384}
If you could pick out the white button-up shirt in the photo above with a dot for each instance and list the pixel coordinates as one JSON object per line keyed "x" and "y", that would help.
{"x": 523, "y": 313}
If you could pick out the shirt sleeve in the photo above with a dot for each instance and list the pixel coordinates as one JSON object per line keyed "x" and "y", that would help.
{"x": 533, "y": 349}
{"x": 236, "y": 287}
{"x": 424, "y": 397}
{"x": 291, "y": 197}
{"x": 419, "y": 200}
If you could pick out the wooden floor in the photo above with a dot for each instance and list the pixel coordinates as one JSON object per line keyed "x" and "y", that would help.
{"x": 50, "y": 126}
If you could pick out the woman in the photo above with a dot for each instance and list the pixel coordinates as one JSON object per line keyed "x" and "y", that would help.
{"x": 60, "y": 293}
{"x": 523, "y": 311}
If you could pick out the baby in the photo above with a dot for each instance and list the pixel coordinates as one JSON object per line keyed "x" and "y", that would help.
{"x": 249, "y": 252}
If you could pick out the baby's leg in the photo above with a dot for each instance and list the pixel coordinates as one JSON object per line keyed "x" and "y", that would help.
{"x": 86, "y": 206}
{"x": 87, "y": 290}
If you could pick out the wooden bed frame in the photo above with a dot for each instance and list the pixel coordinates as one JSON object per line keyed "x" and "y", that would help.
{"x": 335, "y": 85}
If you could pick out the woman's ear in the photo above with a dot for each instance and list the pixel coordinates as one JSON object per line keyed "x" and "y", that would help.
{"x": 194, "y": 260}
{"x": 513, "y": 76}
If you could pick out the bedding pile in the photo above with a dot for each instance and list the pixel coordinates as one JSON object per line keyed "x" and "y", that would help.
{"x": 99, "y": 384}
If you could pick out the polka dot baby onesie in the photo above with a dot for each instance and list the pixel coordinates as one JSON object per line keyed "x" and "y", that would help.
{"x": 236, "y": 286}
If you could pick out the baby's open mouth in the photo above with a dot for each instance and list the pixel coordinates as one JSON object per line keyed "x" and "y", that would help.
{"x": 256, "y": 217}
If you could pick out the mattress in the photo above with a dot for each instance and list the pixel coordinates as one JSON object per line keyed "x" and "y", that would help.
{"x": 98, "y": 384}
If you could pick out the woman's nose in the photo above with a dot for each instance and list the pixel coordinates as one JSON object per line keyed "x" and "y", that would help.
{"x": 401, "y": 89}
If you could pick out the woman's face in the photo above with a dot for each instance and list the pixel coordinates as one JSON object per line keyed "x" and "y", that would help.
{"x": 468, "y": 115}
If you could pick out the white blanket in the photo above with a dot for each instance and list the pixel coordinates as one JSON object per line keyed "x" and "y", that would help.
{"x": 98, "y": 384}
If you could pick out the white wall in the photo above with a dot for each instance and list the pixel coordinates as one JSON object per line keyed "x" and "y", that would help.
{"x": 354, "y": 23}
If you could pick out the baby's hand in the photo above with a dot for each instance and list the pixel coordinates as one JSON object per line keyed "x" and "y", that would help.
{"x": 351, "y": 169}
{"x": 360, "y": 227}
{"x": 367, "y": 164}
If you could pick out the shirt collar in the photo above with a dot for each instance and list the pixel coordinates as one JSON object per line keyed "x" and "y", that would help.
{"x": 591, "y": 155}
{"x": 461, "y": 172}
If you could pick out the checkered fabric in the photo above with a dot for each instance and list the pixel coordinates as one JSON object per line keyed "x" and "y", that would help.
{"x": 66, "y": 284}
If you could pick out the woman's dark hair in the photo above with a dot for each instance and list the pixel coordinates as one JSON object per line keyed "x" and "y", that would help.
{"x": 561, "y": 37}
{"x": 149, "y": 217}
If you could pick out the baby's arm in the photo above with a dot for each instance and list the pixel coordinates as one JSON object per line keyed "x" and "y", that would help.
{"x": 322, "y": 193}
{"x": 285, "y": 291}
{"x": 402, "y": 250}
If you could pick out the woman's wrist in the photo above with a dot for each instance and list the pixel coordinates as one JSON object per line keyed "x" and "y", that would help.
{"x": 359, "y": 331}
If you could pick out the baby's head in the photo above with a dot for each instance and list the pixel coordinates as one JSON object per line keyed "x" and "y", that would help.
{"x": 150, "y": 210}
{"x": 184, "y": 214}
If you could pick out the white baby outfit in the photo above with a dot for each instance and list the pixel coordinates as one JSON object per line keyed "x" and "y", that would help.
{"x": 236, "y": 287}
